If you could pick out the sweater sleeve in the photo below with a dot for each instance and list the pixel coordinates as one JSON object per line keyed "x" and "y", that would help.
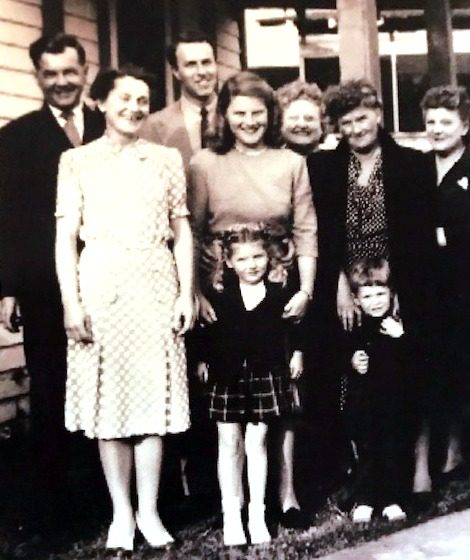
{"x": 198, "y": 194}
{"x": 304, "y": 227}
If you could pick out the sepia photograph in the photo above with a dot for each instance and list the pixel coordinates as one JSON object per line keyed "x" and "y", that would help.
{"x": 234, "y": 285}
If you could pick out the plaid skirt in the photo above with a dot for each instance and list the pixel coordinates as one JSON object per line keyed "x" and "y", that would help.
{"x": 258, "y": 395}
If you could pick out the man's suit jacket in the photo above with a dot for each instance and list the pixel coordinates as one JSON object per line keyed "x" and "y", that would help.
{"x": 167, "y": 127}
{"x": 30, "y": 149}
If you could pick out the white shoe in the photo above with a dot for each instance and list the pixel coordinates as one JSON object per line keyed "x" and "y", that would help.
{"x": 259, "y": 533}
{"x": 234, "y": 534}
{"x": 394, "y": 513}
{"x": 153, "y": 532}
{"x": 120, "y": 537}
{"x": 362, "y": 514}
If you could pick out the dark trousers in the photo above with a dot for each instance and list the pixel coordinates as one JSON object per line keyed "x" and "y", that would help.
{"x": 45, "y": 352}
{"x": 376, "y": 421}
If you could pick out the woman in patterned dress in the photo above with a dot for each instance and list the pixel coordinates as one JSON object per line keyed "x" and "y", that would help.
{"x": 128, "y": 299}
{"x": 374, "y": 199}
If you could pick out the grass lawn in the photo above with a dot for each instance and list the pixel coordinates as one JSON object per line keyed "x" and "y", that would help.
{"x": 331, "y": 530}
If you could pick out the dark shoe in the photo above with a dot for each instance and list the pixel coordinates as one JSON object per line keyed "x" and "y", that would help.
{"x": 295, "y": 518}
{"x": 458, "y": 473}
{"x": 422, "y": 502}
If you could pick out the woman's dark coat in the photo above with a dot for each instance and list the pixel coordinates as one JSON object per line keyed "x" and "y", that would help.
{"x": 409, "y": 201}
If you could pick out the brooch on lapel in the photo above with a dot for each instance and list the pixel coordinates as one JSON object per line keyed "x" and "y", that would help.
{"x": 463, "y": 182}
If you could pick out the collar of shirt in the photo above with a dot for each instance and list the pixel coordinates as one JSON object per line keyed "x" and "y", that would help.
{"x": 192, "y": 119}
{"x": 78, "y": 117}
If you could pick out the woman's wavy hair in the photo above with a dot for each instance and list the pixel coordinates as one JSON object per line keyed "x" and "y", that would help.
{"x": 453, "y": 98}
{"x": 347, "y": 96}
{"x": 105, "y": 81}
{"x": 298, "y": 89}
{"x": 247, "y": 84}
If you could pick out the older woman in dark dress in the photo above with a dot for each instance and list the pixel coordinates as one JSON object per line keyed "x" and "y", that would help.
{"x": 373, "y": 199}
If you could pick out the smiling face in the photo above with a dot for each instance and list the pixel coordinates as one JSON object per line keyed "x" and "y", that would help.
{"x": 360, "y": 127}
{"x": 61, "y": 78}
{"x": 249, "y": 261}
{"x": 301, "y": 124}
{"x": 247, "y": 118}
{"x": 375, "y": 301}
{"x": 126, "y": 107}
{"x": 196, "y": 69}
{"x": 445, "y": 129}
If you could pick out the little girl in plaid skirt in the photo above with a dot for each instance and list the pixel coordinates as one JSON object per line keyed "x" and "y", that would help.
{"x": 251, "y": 355}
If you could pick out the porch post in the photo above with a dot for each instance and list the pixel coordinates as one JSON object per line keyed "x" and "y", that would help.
{"x": 442, "y": 67}
{"x": 358, "y": 40}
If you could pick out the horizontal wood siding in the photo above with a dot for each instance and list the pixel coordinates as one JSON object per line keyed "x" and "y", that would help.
{"x": 20, "y": 24}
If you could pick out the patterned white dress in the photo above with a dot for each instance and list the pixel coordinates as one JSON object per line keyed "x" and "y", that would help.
{"x": 132, "y": 379}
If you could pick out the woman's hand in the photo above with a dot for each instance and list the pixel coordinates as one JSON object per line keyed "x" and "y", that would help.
{"x": 296, "y": 364}
{"x": 184, "y": 314}
{"x": 296, "y": 307}
{"x": 345, "y": 306}
{"x": 206, "y": 311}
{"x": 202, "y": 372}
{"x": 77, "y": 324}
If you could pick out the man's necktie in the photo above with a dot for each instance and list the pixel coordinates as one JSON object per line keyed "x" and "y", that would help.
{"x": 204, "y": 126}
{"x": 70, "y": 129}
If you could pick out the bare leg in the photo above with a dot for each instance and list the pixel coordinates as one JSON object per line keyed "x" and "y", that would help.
{"x": 287, "y": 496}
{"x": 116, "y": 459}
{"x": 257, "y": 467}
{"x": 148, "y": 461}
{"x": 422, "y": 479}
{"x": 230, "y": 470}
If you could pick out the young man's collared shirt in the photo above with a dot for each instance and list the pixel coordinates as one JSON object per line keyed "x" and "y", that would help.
{"x": 192, "y": 119}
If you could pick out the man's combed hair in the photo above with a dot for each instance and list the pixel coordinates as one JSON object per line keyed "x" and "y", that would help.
{"x": 55, "y": 44}
{"x": 369, "y": 272}
{"x": 187, "y": 36}
{"x": 347, "y": 96}
{"x": 453, "y": 98}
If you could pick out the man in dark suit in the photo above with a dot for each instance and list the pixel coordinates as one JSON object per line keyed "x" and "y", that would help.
{"x": 183, "y": 124}
{"x": 30, "y": 148}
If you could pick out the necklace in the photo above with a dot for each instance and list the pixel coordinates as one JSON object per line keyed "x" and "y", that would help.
{"x": 249, "y": 151}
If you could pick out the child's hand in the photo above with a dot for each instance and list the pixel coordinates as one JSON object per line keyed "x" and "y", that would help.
{"x": 392, "y": 327}
{"x": 360, "y": 361}
{"x": 202, "y": 372}
{"x": 296, "y": 364}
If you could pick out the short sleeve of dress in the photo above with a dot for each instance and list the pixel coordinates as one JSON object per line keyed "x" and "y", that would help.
{"x": 69, "y": 195}
{"x": 176, "y": 185}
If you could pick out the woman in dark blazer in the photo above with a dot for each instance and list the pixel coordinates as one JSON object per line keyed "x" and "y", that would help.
{"x": 373, "y": 199}
{"x": 446, "y": 112}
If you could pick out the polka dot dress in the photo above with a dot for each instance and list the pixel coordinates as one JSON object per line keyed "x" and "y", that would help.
{"x": 131, "y": 380}
{"x": 366, "y": 218}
